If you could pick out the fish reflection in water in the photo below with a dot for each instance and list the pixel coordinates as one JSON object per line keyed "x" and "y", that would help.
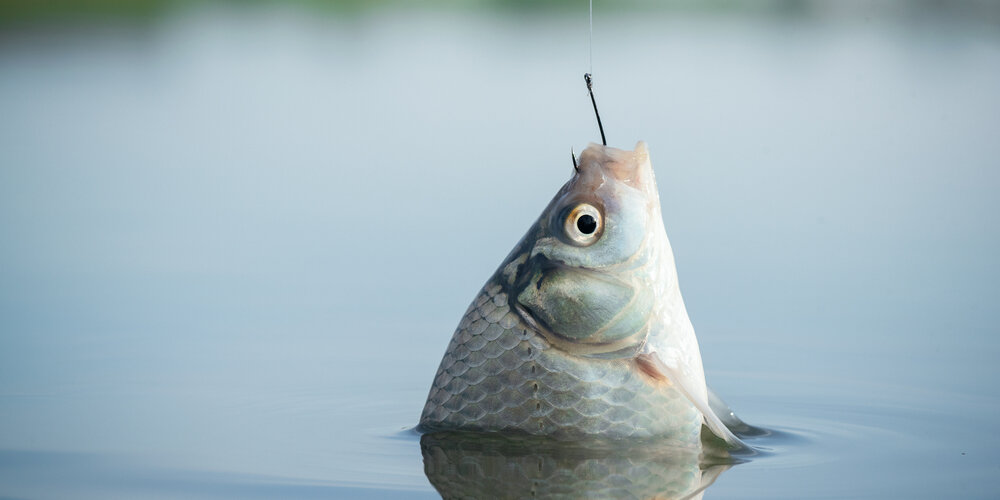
{"x": 473, "y": 465}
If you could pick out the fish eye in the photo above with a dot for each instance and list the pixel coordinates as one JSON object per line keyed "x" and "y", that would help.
{"x": 583, "y": 224}
{"x": 587, "y": 224}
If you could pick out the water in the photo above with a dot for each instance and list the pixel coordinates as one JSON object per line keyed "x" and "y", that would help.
{"x": 235, "y": 242}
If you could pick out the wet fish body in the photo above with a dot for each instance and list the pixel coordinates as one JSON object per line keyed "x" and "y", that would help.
{"x": 498, "y": 374}
{"x": 582, "y": 330}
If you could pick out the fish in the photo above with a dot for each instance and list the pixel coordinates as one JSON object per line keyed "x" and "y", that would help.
{"x": 582, "y": 331}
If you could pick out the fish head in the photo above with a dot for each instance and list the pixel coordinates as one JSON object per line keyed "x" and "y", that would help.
{"x": 582, "y": 274}
{"x": 602, "y": 216}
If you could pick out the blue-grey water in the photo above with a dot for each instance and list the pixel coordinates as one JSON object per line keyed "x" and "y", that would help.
{"x": 234, "y": 242}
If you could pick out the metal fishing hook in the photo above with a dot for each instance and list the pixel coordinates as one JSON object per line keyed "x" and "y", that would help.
{"x": 590, "y": 89}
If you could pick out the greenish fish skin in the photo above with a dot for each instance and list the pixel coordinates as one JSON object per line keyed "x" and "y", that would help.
{"x": 553, "y": 344}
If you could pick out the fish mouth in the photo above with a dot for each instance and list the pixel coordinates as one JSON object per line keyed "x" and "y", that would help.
{"x": 629, "y": 167}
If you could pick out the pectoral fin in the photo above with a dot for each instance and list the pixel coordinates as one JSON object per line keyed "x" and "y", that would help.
{"x": 652, "y": 364}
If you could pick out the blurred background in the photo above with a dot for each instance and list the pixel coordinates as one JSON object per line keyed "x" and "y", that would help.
{"x": 235, "y": 237}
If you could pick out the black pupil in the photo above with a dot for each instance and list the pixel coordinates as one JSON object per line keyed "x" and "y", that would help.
{"x": 586, "y": 224}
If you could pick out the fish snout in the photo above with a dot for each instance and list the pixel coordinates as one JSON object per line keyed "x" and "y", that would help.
{"x": 632, "y": 168}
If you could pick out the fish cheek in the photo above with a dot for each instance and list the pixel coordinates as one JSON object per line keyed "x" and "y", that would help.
{"x": 580, "y": 307}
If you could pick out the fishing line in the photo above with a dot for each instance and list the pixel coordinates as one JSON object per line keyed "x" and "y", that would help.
{"x": 589, "y": 79}
{"x": 590, "y": 66}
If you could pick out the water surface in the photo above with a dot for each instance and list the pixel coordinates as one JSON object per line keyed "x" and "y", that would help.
{"x": 235, "y": 242}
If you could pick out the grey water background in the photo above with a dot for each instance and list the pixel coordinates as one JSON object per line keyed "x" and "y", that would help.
{"x": 235, "y": 240}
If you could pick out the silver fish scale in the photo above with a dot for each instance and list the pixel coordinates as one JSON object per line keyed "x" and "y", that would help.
{"x": 499, "y": 375}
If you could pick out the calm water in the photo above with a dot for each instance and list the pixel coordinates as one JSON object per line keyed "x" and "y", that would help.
{"x": 234, "y": 243}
